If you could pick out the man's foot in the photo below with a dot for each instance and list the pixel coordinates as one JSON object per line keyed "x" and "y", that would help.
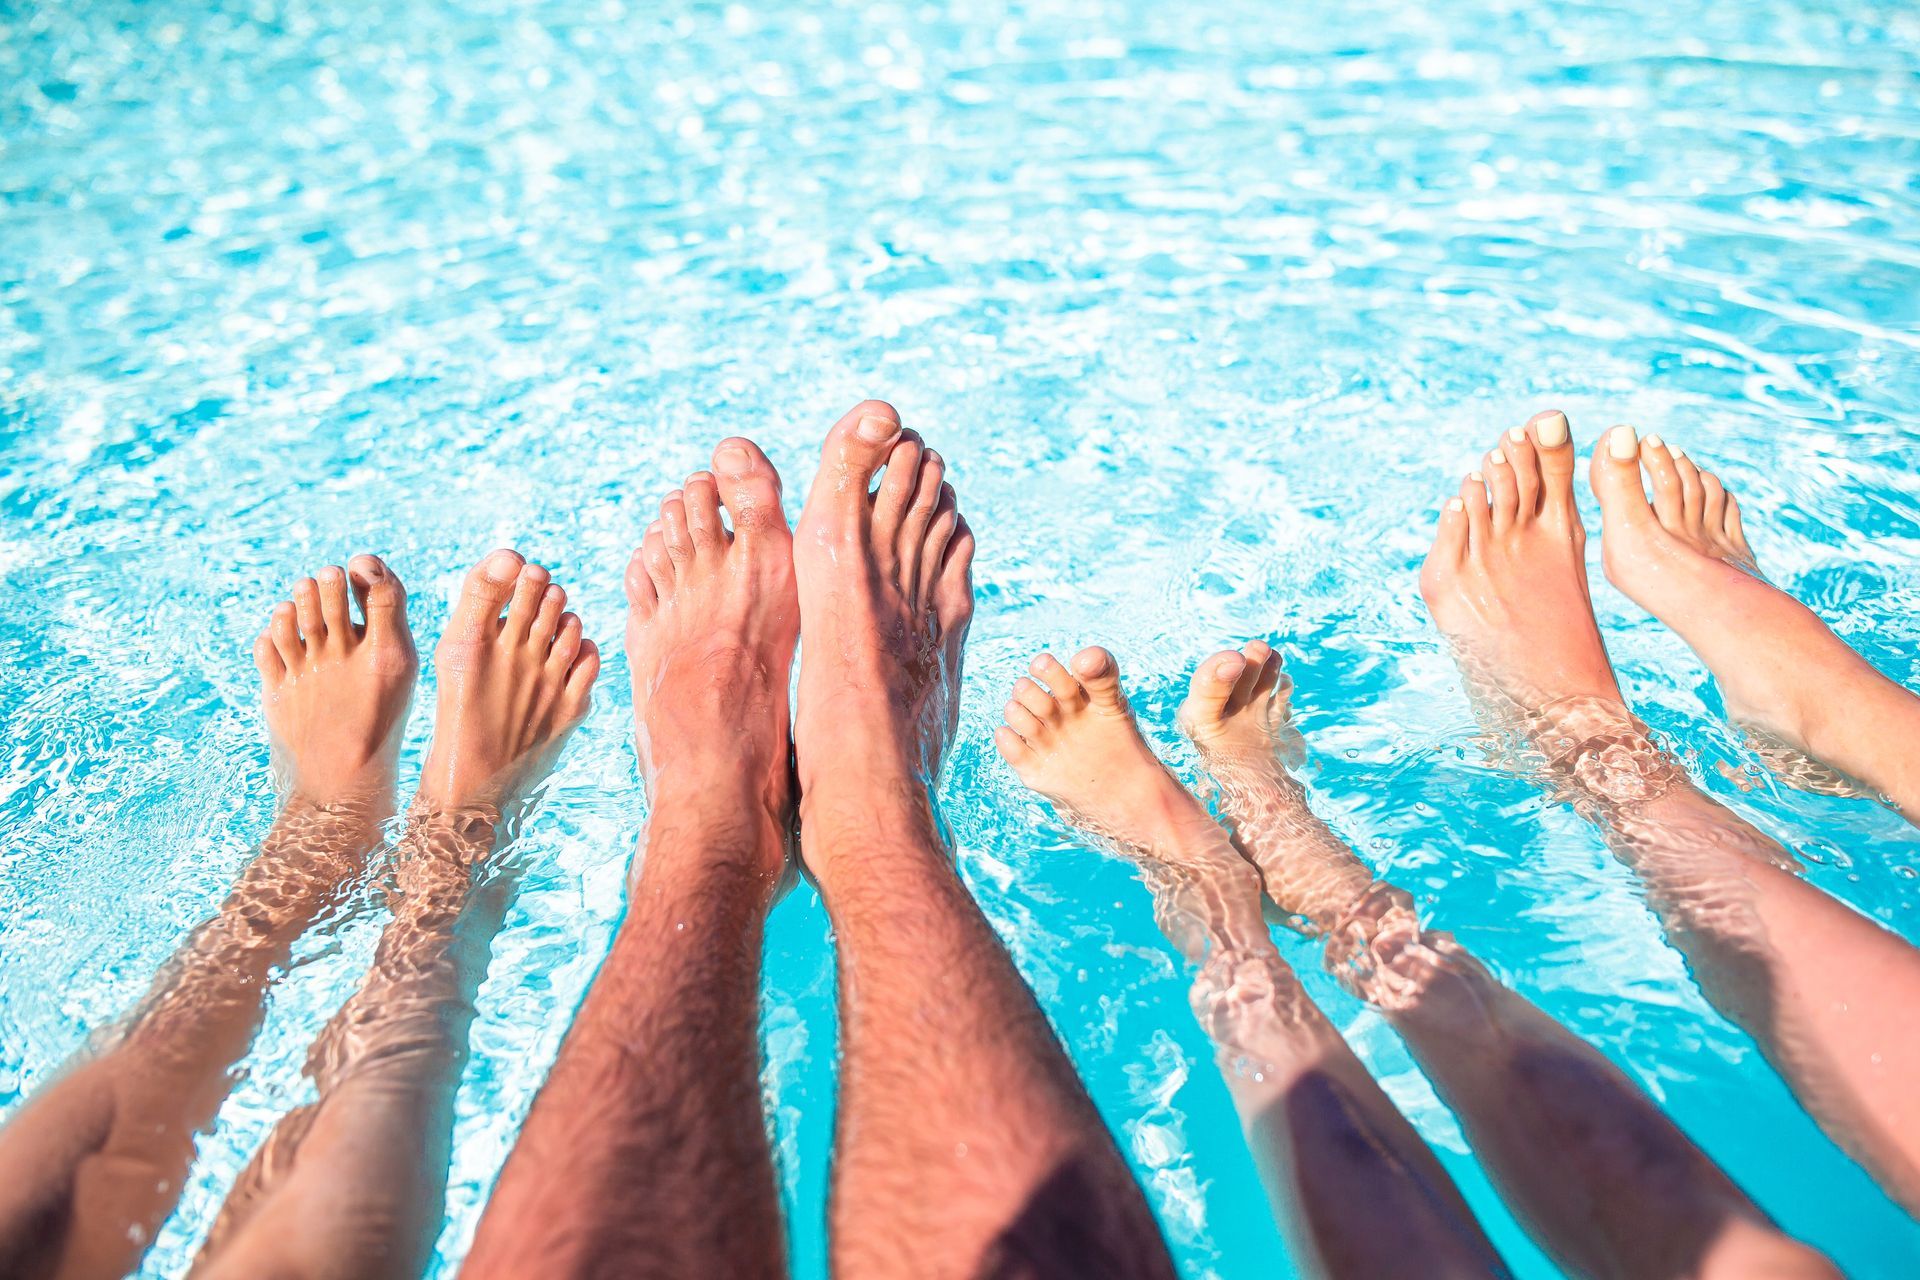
{"x": 1506, "y": 580}
{"x": 336, "y": 691}
{"x": 1684, "y": 558}
{"x": 511, "y": 688}
{"x": 711, "y": 631}
{"x": 886, "y": 594}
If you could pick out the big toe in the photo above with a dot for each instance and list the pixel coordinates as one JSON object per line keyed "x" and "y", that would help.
{"x": 1099, "y": 675}
{"x": 749, "y": 488}
{"x": 488, "y": 587}
{"x": 1615, "y": 476}
{"x": 1553, "y": 440}
{"x": 382, "y": 598}
{"x": 856, "y": 448}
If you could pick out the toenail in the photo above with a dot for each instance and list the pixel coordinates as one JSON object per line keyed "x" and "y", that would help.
{"x": 1497, "y": 458}
{"x": 1677, "y": 453}
{"x": 1454, "y": 504}
{"x": 502, "y": 566}
{"x": 1653, "y": 442}
{"x": 1476, "y": 477}
{"x": 1517, "y": 434}
{"x": 1553, "y": 429}
{"x": 876, "y": 430}
{"x": 1622, "y": 443}
{"x": 732, "y": 459}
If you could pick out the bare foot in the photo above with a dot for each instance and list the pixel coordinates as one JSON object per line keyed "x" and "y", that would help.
{"x": 511, "y": 688}
{"x": 1784, "y": 675}
{"x": 336, "y": 691}
{"x": 1237, "y": 709}
{"x": 1506, "y": 580}
{"x": 886, "y": 595}
{"x": 711, "y": 632}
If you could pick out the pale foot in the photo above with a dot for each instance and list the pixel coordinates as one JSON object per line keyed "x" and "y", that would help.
{"x": 1782, "y": 672}
{"x": 1506, "y": 580}
{"x": 711, "y": 631}
{"x": 1237, "y": 709}
{"x": 336, "y": 691}
{"x": 511, "y": 688}
{"x": 886, "y": 595}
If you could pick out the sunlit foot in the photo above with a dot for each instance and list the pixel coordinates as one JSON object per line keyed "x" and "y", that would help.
{"x": 1683, "y": 557}
{"x": 886, "y": 595}
{"x": 336, "y": 691}
{"x": 512, "y": 687}
{"x": 1506, "y": 580}
{"x": 711, "y": 630}
{"x": 1236, "y": 710}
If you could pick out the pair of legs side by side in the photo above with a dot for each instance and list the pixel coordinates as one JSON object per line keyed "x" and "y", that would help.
{"x": 1603, "y": 1180}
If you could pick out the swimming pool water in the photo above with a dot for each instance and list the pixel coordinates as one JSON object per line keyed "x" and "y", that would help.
{"x": 1208, "y": 310}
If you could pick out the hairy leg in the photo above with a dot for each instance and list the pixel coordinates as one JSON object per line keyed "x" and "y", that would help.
{"x": 967, "y": 1144}
{"x": 1602, "y": 1179}
{"x": 354, "y": 1184}
{"x": 92, "y": 1166}
{"x": 1819, "y": 986}
{"x": 646, "y": 1153}
{"x": 1358, "y": 1191}
{"x": 1784, "y": 674}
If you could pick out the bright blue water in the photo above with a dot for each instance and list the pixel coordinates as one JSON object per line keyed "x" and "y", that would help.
{"x": 1207, "y": 309}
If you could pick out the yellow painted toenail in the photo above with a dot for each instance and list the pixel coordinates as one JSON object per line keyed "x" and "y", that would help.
{"x": 1623, "y": 444}
{"x": 732, "y": 459}
{"x": 1497, "y": 458}
{"x": 1553, "y": 430}
{"x": 1454, "y": 504}
{"x": 1517, "y": 434}
{"x": 1652, "y": 442}
{"x": 875, "y": 430}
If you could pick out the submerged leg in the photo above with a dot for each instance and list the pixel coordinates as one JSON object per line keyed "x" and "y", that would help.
{"x": 967, "y": 1144}
{"x": 354, "y": 1184}
{"x": 95, "y": 1162}
{"x": 1783, "y": 673}
{"x": 646, "y": 1152}
{"x": 1357, "y": 1190}
{"x": 1600, "y": 1177}
{"x": 1818, "y": 986}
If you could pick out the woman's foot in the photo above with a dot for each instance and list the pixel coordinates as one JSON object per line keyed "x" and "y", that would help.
{"x": 335, "y": 691}
{"x": 886, "y": 595}
{"x": 1782, "y": 672}
{"x": 512, "y": 687}
{"x": 1506, "y": 580}
{"x": 711, "y": 631}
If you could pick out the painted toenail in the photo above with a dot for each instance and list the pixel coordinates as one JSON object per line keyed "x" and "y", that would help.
{"x": 1497, "y": 458}
{"x": 1623, "y": 444}
{"x": 1677, "y": 453}
{"x": 876, "y": 430}
{"x": 1553, "y": 430}
{"x": 1652, "y": 442}
{"x": 1476, "y": 477}
{"x": 732, "y": 459}
{"x": 1517, "y": 434}
{"x": 1454, "y": 504}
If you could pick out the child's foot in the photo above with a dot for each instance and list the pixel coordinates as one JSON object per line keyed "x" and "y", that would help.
{"x": 336, "y": 691}
{"x": 711, "y": 634}
{"x": 1237, "y": 709}
{"x": 511, "y": 688}
{"x": 1782, "y": 673}
{"x": 886, "y": 595}
{"x": 1506, "y": 580}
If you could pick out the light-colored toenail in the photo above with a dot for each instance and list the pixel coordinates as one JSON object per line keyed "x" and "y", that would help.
{"x": 875, "y": 430}
{"x": 1677, "y": 453}
{"x": 1454, "y": 504}
{"x": 1652, "y": 442}
{"x": 733, "y": 459}
{"x": 1623, "y": 444}
{"x": 1517, "y": 434}
{"x": 1497, "y": 458}
{"x": 1553, "y": 430}
{"x": 1476, "y": 477}
{"x": 502, "y": 566}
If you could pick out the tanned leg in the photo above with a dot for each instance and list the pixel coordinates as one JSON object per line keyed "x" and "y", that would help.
{"x": 1821, "y": 988}
{"x": 646, "y": 1153}
{"x": 1784, "y": 674}
{"x": 1358, "y": 1192}
{"x": 354, "y": 1185}
{"x": 1602, "y": 1179}
{"x": 967, "y": 1144}
{"x": 92, "y": 1166}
